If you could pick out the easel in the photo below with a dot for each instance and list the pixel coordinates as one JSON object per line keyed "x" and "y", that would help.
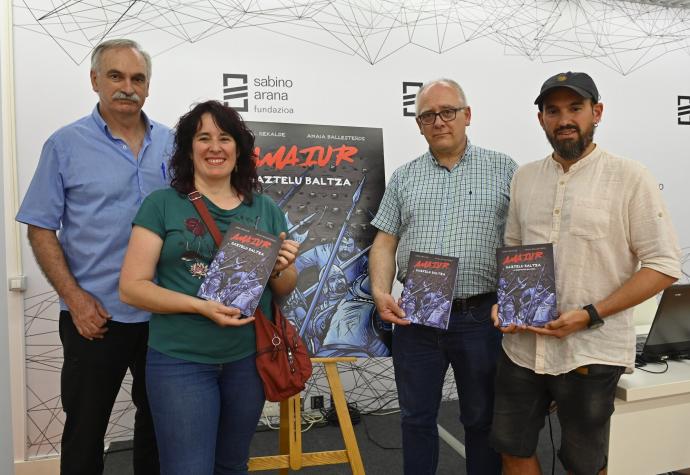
{"x": 290, "y": 433}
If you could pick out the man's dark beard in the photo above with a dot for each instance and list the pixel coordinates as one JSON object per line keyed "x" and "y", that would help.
{"x": 569, "y": 149}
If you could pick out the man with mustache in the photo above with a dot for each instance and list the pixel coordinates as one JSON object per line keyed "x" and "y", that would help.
{"x": 614, "y": 247}
{"x": 91, "y": 178}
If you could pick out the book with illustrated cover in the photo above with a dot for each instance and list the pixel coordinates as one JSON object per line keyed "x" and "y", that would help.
{"x": 238, "y": 273}
{"x": 526, "y": 285}
{"x": 427, "y": 296}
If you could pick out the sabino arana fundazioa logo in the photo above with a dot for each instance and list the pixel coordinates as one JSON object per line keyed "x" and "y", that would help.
{"x": 409, "y": 94}
{"x": 268, "y": 93}
{"x": 683, "y": 110}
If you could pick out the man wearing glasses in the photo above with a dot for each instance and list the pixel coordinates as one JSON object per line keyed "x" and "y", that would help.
{"x": 452, "y": 201}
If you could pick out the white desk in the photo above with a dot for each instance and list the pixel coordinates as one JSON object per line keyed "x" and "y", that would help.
{"x": 650, "y": 429}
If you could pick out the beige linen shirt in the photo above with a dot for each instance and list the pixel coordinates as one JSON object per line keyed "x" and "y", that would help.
{"x": 605, "y": 218}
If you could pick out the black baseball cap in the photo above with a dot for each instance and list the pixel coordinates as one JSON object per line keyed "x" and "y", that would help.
{"x": 578, "y": 82}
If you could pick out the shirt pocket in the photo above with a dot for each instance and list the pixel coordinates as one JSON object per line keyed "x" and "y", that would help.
{"x": 589, "y": 218}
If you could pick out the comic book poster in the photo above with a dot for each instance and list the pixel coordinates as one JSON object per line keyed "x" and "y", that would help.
{"x": 240, "y": 269}
{"x": 328, "y": 180}
{"x": 526, "y": 285}
{"x": 427, "y": 296}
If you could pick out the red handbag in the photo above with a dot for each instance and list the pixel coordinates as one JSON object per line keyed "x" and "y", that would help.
{"x": 282, "y": 360}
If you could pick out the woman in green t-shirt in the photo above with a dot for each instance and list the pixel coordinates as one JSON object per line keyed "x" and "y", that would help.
{"x": 203, "y": 387}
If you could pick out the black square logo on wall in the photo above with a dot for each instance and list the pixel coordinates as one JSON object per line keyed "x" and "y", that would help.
{"x": 409, "y": 94}
{"x": 236, "y": 92}
{"x": 683, "y": 110}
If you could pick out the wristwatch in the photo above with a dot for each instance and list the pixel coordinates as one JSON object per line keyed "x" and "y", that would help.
{"x": 595, "y": 321}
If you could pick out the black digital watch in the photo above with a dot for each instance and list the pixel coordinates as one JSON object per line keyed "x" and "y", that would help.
{"x": 595, "y": 321}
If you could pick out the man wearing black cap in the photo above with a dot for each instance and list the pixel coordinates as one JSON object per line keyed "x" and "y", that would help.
{"x": 614, "y": 247}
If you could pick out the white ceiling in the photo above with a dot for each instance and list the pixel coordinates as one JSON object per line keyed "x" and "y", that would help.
{"x": 666, "y": 3}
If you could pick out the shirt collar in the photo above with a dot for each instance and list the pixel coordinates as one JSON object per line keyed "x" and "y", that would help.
{"x": 466, "y": 156}
{"x": 102, "y": 125}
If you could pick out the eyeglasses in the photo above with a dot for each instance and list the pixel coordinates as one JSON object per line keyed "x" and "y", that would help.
{"x": 446, "y": 115}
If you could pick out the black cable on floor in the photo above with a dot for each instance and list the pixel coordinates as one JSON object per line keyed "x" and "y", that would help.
{"x": 374, "y": 441}
{"x": 332, "y": 416}
{"x": 553, "y": 446}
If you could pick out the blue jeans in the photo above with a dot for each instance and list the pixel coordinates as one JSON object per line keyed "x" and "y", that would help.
{"x": 421, "y": 356}
{"x": 204, "y": 414}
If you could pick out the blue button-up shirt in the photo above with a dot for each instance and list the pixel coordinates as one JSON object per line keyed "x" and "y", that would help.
{"x": 88, "y": 186}
{"x": 459, "y": 212}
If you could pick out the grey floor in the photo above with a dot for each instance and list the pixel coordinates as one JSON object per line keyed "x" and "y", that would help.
{"x": 379, "y": 442}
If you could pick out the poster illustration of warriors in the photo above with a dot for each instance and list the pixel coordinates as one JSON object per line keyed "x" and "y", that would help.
{"x": 526, "y": 285}
{"x": 328, "y": 180}
{"x": 427, "y": 295}
{"x": 240, "y": 269}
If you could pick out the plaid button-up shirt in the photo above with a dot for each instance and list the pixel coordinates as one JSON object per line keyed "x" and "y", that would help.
{"x": 459, "y": 212}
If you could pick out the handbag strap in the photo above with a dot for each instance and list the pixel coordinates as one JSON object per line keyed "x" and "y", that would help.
{"x": 196, "y": 198}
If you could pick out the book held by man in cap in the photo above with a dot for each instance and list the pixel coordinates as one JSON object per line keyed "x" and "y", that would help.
{"x": 526, "y": 285}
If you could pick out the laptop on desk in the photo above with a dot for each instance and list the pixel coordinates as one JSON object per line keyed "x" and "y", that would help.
{"x": 669, "y": 335}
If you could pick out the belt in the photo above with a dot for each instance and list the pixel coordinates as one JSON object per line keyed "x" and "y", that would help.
{"x": 474, "y": 301}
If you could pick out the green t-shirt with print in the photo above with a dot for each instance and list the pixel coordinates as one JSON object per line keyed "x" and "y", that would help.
{"x": 187, "y": 250}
